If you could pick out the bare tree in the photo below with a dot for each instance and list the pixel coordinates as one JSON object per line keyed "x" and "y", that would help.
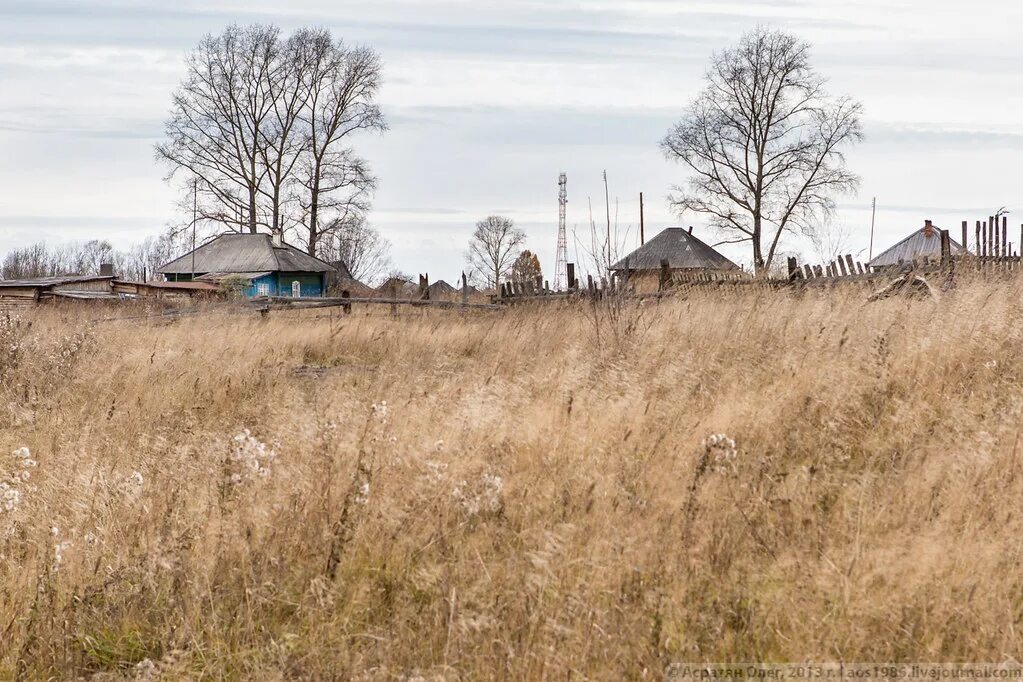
{"x": 494, "y": 247}
{"x": 282, "y": 140}
{"x": 360, "y": 246}
{"x": 831, "y": 240}
{"x": 260, "y": 131}
{"x": 84, "y": 258}
{"x": 764, "y": 143}
{"x": 215, "y": 133}
{"x": 341, "y": 86}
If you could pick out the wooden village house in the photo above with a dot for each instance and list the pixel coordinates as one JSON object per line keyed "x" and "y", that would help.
{"x": 261, "y": 264}
{"x": 922, "y": 246}
{"x": 685, "y": 254}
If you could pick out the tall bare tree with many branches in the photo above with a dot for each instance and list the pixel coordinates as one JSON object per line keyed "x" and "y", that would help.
{"x": 494, "y": 247}
{"x": 765, "y": 144}
{"x": 340, "y": 87}
{"x": 260, "y": 131}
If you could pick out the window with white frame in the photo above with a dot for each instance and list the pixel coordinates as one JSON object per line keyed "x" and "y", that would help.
{"x": 296, "y": 289}
{"x": 262, "y": 288}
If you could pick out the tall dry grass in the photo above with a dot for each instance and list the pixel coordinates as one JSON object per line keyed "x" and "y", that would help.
{"x": 515, "y": 495}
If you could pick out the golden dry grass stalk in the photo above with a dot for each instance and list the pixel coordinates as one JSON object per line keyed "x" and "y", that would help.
{"x": 523, "y": 494}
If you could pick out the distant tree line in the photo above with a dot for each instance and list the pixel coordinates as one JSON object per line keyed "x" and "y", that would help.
{"x": 259, "y": 134}
{"x": 136, "y": 263}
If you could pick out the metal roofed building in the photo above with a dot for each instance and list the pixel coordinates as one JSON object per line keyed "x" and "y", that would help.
{"x": 678, "y": 246}
{"x": 265, "y": 263}
{"x": 921, "y": 245}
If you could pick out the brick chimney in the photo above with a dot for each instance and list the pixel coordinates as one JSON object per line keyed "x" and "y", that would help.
{"x": 276, "y": 237}
{"x": 928, "y": 228}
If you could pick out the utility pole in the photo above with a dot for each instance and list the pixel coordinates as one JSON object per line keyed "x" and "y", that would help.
{"x": 195, "y": 219}
{"x": 642, "y": 239}
{"x": 873, "y": 214}
{"x": 607, "y": 209}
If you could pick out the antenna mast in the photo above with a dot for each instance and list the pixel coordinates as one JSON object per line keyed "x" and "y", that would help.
{"x": 561, "y": 260}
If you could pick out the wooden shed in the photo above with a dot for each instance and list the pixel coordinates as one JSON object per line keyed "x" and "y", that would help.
{"x": 26, "y": 293}
{"x": 683, "y": 252}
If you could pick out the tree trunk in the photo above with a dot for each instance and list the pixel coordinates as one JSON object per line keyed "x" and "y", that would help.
{"x": 314, "y": 210}
{"x": 758, "y": 251}
{"x": 252, "y": 209}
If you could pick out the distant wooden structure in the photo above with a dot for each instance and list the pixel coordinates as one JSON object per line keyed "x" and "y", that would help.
{"x": 27, "y": 293}
{"x": 676, "y": 250}
{"x": 920, "y": 245}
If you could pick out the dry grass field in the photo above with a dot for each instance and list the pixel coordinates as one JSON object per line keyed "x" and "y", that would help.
{"x": 526, "y": 494}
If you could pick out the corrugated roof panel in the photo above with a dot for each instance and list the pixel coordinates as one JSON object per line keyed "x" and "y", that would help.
{"x": 922, "y": 244}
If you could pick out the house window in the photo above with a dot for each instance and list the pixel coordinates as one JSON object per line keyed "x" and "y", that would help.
{"x": 262, "y": 289}
{"x": 296, "y": 289}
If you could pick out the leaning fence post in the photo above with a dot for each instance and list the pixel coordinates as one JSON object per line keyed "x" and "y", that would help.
{"x": 964, "y": 236}
{"x": 946, "y": 249}
{"x": 346, "y": 307}
{"x": 662, "y": 281}
{"x": 465, "y": 289}
{"x": 570, "y": 275}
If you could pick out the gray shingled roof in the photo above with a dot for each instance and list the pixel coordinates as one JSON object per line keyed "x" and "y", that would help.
{"x": 683, "y": 251}
{"x": 921, "y": 244}
{"x": 244, "y": 253}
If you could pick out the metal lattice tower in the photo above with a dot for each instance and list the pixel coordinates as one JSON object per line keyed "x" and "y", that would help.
{"x": 560, "y": 276}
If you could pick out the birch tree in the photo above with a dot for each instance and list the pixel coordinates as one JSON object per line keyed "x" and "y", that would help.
{"x": 261, "y": 127}
{"x": 341, "y": 85}
{"x": 764, "y": 144}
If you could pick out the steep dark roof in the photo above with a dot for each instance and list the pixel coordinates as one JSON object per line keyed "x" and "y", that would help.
{"x": 441, "y": 287}
{"x": 342, "y": 269}
{"x": 683, "y": 251}
{"x": 245, "y": 253}
{"x": 389, "y": 284}
{"x": 920, "y": 244}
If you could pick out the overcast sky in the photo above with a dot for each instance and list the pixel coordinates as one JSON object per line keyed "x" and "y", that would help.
{"x": 488, "y": 101}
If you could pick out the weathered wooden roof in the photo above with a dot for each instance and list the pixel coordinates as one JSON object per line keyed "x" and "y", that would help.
{"x": 924, "y": 243}
{"x": 441, "y": 287}
{"x": 245, "y": 253}
{"x": 391, "y": 283}
{"x": 682, "y": 250}
{"x": 219, "y": 276}
{"x": 44, "y": 282}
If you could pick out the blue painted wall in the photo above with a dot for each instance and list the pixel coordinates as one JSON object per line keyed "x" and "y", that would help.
{"x": 311, "y": 284}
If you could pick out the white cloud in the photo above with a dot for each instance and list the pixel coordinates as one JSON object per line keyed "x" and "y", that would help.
{"x": 489, "y": 101}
